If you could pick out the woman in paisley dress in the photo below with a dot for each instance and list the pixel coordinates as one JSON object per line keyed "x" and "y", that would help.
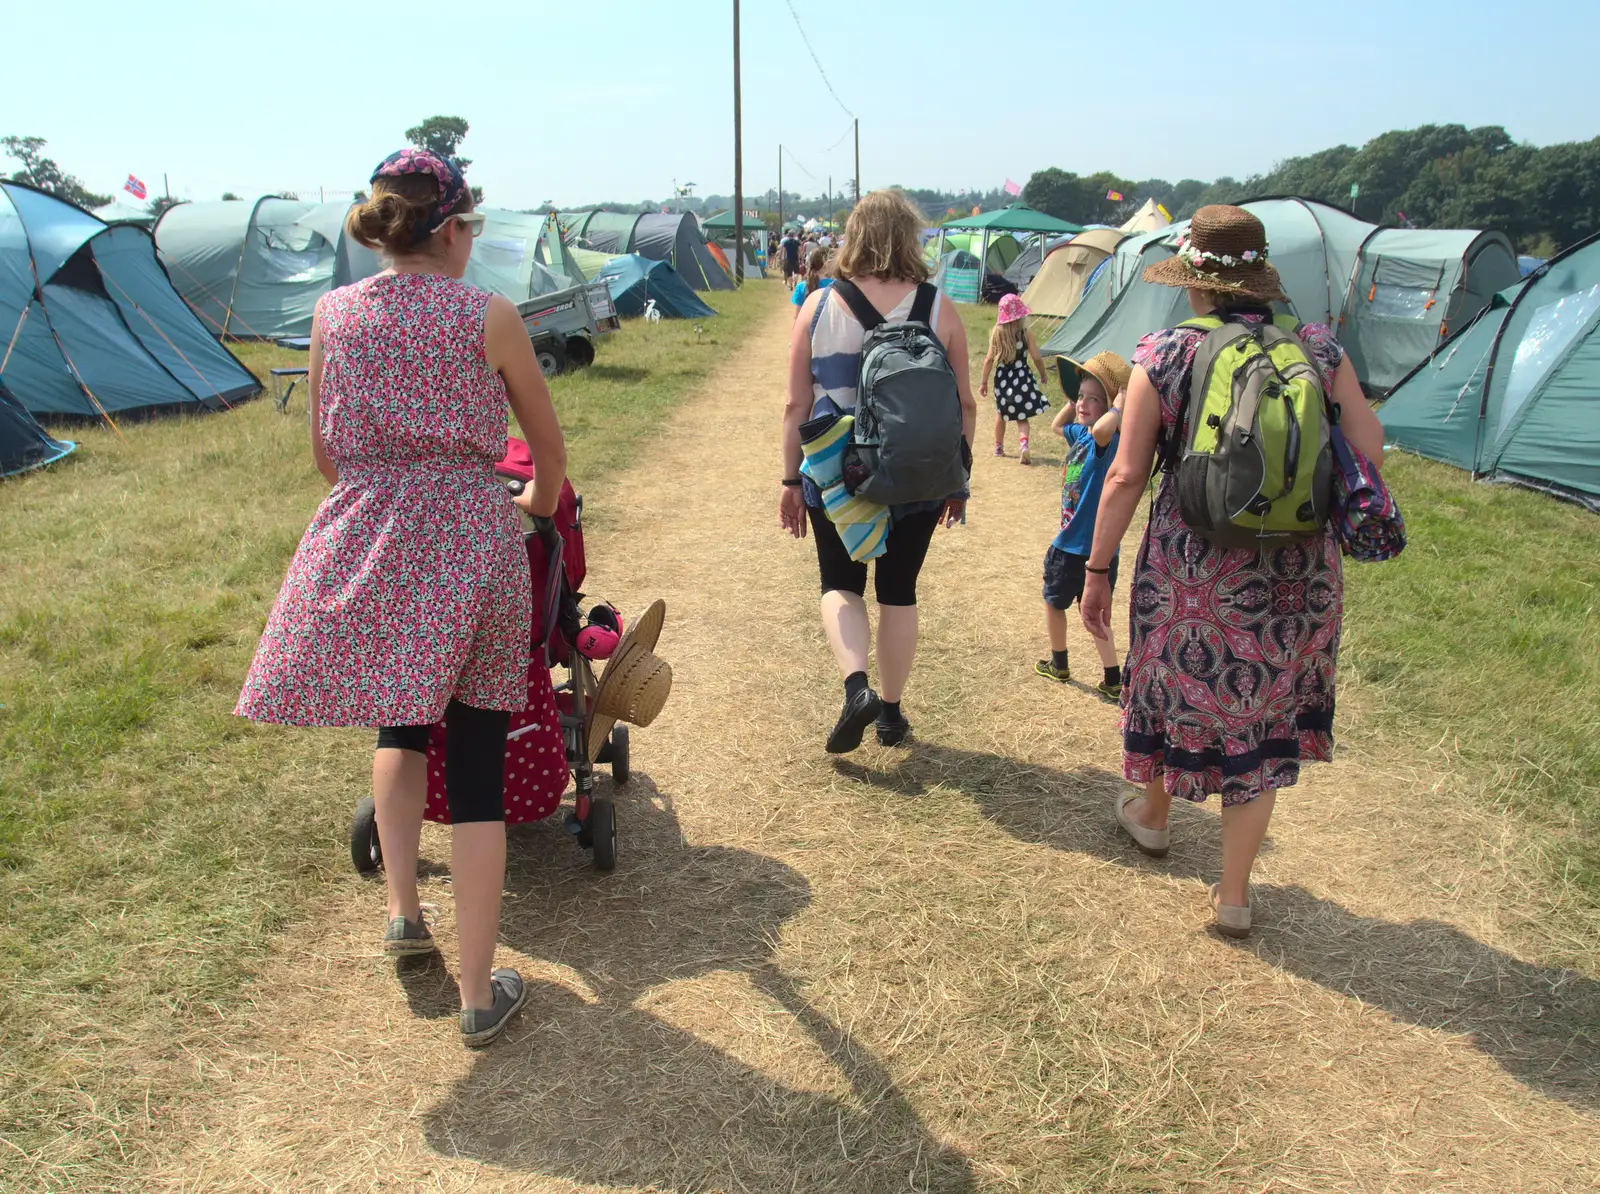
{"x": 1229, "y": 680}
{"x": 408, "y": 599}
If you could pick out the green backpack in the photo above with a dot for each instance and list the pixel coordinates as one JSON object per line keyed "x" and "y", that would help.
{"x": 1253, "y": 457}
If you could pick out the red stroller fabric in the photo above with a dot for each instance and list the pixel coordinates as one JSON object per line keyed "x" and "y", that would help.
{"x": 537, "y": 772}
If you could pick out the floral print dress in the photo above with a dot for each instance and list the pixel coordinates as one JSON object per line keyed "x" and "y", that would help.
{"x": 411, "y": 585}
{"x": 1229, "y": 680}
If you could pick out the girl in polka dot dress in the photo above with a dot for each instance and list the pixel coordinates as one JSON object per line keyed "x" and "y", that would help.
{"x": 1018, "y": 397}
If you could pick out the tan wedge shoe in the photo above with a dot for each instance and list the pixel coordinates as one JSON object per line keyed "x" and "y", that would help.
{"x": 1154, "y": 842}
{"x": 1232, "y": 921}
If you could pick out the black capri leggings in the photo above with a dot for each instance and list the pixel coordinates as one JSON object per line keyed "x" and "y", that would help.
{"x": 474, "y": 759}
{"x": 894, "y": 580}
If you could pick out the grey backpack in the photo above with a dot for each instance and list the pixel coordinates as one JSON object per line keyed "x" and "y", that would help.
{"x": 907, "y": 445}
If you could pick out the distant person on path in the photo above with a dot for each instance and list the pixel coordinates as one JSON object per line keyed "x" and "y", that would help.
{"x": 1232, "y": 655}
{"x": 790, "y": 251}
{"x": 1090, "y": 426}
{"x": 1017, "y": 396}
{"x": 884, "y": 261}
{"x": 813, "y": 280}
{"x": 408, "y": 600}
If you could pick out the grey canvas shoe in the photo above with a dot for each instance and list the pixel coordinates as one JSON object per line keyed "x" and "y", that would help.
{"x": 479, "y": 1027}
{"x": 406, "y": 938}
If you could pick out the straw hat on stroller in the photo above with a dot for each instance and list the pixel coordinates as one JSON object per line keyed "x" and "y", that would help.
{"x": 1224, "y": 251}
{"x": 636, "y": 682}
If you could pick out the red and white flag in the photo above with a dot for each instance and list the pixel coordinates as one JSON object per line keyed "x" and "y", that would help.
{"x": 1012, "y": 188}
{"x": 135, "y": 187}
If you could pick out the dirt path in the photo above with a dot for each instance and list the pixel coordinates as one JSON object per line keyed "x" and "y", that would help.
{"x": 931, "y": 971}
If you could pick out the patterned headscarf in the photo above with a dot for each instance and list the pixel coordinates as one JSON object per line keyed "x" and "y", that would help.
{"x": 452, "y": 185}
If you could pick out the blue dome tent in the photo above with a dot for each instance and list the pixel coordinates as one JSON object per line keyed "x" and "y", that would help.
{"x": 633, "y": 279}
{"x": 91, "y": 323}
{"x": 23, "y": 443}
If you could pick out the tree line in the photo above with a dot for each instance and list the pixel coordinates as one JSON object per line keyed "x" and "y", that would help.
{"x": 1437, "y": 176}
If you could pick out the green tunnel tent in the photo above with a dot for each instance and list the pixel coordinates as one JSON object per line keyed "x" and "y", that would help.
{"x": 1002, "y": 251}
{"x": 24, "y": 444}
{"x": 250, "y": 270}
{"x": 94, "y": 324}
{"x": 1322, "y": 255}
{"x": 663, "y": 236}
{"x": 1515, "y": 394}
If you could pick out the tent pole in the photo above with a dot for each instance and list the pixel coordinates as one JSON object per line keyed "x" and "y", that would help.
{"x": 738, "y": 162}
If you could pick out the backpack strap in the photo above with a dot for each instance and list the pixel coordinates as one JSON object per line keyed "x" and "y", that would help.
{"x": 866, "y": 314}
{"x": 922, "y": 307}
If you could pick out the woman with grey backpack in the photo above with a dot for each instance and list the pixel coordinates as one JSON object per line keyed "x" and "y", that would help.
{"x": 875, "y": 459}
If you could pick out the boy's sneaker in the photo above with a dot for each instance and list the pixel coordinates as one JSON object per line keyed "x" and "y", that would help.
{"x": 1051, "y": 672}
{"x": 1112, "y": 692}
{"x": 893, "y": 728}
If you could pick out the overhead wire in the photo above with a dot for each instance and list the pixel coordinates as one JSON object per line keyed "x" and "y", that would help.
{"x": 817, "y": 61}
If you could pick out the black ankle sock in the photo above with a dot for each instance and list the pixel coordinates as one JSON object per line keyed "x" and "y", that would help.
{"x": 854, "y": 684}
{"x": 890, "y": 712}
{"x": 1058, "y": 660}
{"x": 1113, "y": 675}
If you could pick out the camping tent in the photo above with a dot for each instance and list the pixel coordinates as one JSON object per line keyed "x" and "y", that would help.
{"x": 1375, "y": 286}
{"x": 665, "y": 236}
{"x": 23, "y": 443}
{"x": 93, "y": 323}
{"x": 633, "y": 279}
{"x": 253, "y": 271}
{"x": 1057, "y": 287}
{"x": 1515, "y": 394}
{"x": 118, "y": 212}
{"x": 959, "y": 276}
{"x": 1147, "y": 219}
{"x": 1003, "y": 248}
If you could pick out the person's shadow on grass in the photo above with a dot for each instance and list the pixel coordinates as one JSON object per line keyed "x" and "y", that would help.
{"x": 605, "y": 1087}
{"x": 1540, "y": 1023}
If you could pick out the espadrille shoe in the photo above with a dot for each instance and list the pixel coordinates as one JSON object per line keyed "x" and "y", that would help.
{"x": 1232, "y": 921}
{"x": 1154, "y": 842}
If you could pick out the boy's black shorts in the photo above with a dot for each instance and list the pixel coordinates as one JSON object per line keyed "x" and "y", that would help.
{"x": 1064, "y": 577}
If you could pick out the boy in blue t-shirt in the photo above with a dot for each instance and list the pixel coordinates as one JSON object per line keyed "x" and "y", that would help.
{"x": 1091, "y": 427}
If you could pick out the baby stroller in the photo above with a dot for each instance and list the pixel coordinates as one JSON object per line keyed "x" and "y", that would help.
{"x": 550, "y": 740}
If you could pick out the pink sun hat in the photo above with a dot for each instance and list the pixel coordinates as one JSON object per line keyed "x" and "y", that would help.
{"x": 1012, "y": 308}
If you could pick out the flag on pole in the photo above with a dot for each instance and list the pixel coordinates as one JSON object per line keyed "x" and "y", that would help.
{"x": 135, "y": 187}
{"x": 1114, "y": 196}
{"x": 1165, "y": 214}
{"x": 1012, "y": 188}
{"x": 976, "y": 210}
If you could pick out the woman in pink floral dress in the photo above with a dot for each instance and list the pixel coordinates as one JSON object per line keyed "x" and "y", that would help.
{"x": 408, "y": 600}
{"x": 1229, "y": 680}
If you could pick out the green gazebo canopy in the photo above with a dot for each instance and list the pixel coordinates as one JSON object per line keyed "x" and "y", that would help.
{"x": 1015, "y": 217}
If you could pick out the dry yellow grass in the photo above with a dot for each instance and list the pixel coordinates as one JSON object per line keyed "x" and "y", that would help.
{"x": 936, "y": 969}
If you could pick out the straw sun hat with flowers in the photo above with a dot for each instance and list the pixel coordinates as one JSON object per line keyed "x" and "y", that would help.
{"x": 1224, "y": 252}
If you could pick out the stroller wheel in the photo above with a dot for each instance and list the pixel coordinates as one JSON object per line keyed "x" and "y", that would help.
{"x": 365, "y": 851}
{"x": 620, "y": 769}
{"x": 603, "y": 833}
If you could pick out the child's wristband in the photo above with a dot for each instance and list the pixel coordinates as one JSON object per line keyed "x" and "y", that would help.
{"x": 1097, "y": 571}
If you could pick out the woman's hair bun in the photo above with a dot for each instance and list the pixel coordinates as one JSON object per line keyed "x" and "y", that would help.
{"x": 389, "y": 219}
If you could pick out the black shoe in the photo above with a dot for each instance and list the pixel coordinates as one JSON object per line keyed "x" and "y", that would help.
{"x": 893, "y": 729}
{"x": 859, "y": 712}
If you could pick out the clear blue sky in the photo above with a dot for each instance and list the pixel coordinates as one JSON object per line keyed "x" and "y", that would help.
{"x": 579, "y": 102}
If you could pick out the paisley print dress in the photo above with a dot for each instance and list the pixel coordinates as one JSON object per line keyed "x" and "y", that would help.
{"x": 1229, "y": 680}
{"x": 411, "y": 586}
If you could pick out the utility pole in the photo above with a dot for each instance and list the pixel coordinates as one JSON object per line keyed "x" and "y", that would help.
{"x": 858, "y": 159}
{"x": 780, "y": 192}
{"x": 738, "y": 161}
{"x": 830, "y": 199}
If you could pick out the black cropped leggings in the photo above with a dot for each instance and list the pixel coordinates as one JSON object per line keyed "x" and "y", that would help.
{"x": 474, "y": 759}
{"x": 894, "y": 578}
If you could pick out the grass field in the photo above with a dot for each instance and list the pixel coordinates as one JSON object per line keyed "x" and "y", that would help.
{"x": 150, "y": 842}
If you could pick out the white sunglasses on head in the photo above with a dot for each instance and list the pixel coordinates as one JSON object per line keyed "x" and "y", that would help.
{"x": 472, "y": 221}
